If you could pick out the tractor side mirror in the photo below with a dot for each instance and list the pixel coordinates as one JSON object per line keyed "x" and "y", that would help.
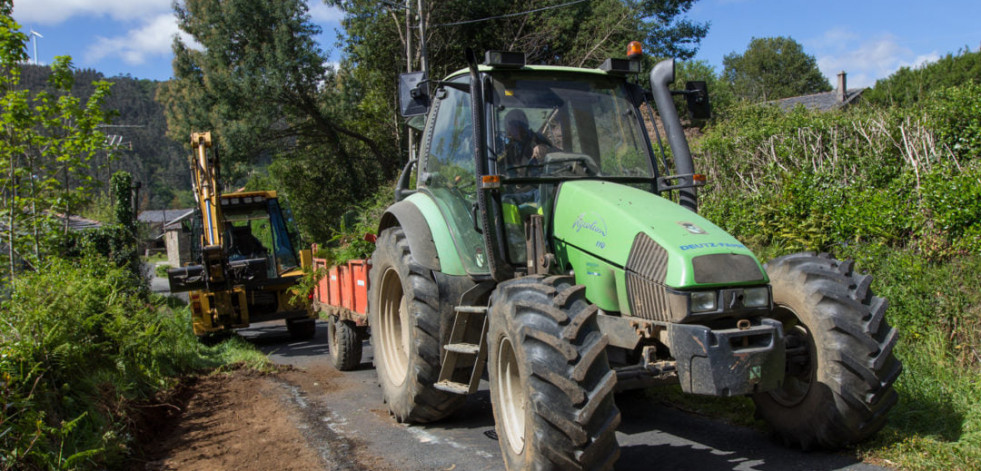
{"x": 413, "y": 94}
{"x": 696, "y": 94}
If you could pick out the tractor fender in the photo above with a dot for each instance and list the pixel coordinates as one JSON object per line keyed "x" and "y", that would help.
{"x": 426, "y": 231}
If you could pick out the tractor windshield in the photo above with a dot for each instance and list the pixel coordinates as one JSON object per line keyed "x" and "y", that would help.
{"x": 549, "y": 128}
{"x": 566, "y": 126}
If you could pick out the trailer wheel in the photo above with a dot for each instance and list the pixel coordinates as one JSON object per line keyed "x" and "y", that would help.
{"x": 840, "y": 366}
{"x": 551, "y": 384}
{"x": 406, "y": 328}
{"x": 302, "y": 328}
{"x": 344, "y": 344}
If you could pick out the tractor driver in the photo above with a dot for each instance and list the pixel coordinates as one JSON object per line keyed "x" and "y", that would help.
{"x": 524, "y": 150}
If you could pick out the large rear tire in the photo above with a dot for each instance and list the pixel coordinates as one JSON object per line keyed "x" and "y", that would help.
{"x": 551, "y": 383}
{"x": 840, "y": 366}
{"x": 403, "y": 311}
{"x": 344, "y": 344}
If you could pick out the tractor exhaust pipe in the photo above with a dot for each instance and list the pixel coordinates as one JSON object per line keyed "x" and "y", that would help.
{"x": 662, "y": 75}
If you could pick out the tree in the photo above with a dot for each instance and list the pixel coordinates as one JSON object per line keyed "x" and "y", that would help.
{"x": 48, "y": 141}
{"x": 260, "y": 83}
{"x": 908, "y": 86}
{"x": 773, "y": 68}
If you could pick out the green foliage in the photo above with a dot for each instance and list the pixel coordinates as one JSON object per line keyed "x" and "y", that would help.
{"x": 48, "y": 142}
{"x": 79, "y": 345}
{"x": 817, "y": 181}
{"x": 773, "y": 68}
{"x": 138, "y": 145}
{"x": 909, "y": 86}
{"x": 955, "y": 117}
{"x": 261, "y": 85}
{"x": 349, "y": 241}
{"x": 935, "y": 306}
{"x": 123, "y": 209}
{"x": 889, "y": 189}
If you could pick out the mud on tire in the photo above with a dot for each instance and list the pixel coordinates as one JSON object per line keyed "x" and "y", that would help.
{"x": 343, "y": 343}
{"x": 551, "y": 383}
{"x": 840, "y": 364}
{"x": 403, "y": 311}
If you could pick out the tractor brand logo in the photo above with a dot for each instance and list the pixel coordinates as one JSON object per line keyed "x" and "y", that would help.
{"x": 595, "y": 224}
{"x": 692, "y": 228}
{"x": 705, "y": 245}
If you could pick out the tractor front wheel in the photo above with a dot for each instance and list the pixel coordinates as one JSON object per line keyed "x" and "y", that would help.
{"x": 551, "y": 384}
{"x": 403, "y": 302}
{"x": 840, "y": 366}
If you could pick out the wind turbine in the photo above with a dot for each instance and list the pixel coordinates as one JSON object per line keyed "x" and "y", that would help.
{"x": 34, "y": 36}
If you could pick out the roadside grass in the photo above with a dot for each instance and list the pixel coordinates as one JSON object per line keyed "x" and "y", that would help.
{"x": 160, "y": 270}
{"x": 82, "y": 342}
{"x": 156, "y": 258}
{"x": 937, "y": 309}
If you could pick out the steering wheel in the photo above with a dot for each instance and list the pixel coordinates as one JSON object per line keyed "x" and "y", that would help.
{"x": 558, "y": 163}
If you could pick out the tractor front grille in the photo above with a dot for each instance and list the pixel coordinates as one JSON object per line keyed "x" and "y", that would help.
{"x": 645, "y": 271}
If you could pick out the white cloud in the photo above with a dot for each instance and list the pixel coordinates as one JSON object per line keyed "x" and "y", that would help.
{"x": 52, "y": 12}
{"x": 153, "y": 38}
{"x": 321, "y": 13}
{"x": 864, "y": 59}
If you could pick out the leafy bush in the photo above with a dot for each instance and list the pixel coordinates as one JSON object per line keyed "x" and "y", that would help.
{"x": 955, "y": 117}
{"x": 818, "y": 181}
{"x": 349, "y": 241}
{"x": 909, "y": 86}
{"x": 79, "y": 344}
{"x": 899, "y": 191}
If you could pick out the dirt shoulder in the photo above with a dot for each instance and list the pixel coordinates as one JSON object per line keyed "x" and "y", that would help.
{"x": 242, "y": 420}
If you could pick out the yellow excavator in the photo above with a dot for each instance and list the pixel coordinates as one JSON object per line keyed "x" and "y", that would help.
{"x": 245, "y": 263}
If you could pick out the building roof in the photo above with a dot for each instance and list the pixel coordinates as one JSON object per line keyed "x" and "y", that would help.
{"x": 840, "y": 97}
{"x": 820, "y": 101}
{"x": 175, "y": 223}
{"x": 162, "y": 216}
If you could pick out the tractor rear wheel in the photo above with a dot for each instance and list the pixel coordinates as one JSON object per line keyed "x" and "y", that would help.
{"x": 403, "y": 301}
{"x": 840, "y": 366}
{"x": 344, "y": 344}
{"x": 551, "y": 384}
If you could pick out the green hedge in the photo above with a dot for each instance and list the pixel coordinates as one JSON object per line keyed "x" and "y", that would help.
{"x": 899, "y": 191}
{"x": 819, "y": 181}
{"x": 79, "y": 344}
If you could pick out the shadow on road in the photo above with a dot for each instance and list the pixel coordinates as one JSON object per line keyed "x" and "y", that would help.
{"x": 678, "y": 440}
{"x": 272, "y": 338}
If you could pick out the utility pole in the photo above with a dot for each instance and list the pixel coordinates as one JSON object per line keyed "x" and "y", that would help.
{"x": 423, "y": 60}
{"x": 408, "y": 68}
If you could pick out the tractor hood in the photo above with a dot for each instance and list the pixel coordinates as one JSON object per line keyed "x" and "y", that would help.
{"x": 609, "y": 232}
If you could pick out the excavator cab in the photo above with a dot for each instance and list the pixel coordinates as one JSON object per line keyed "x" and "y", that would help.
{"x": 246, "y": 262}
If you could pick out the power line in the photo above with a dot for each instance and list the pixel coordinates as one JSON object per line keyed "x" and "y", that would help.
{"x": 509, "y": 15}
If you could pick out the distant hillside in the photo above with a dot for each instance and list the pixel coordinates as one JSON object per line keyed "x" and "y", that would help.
{"x": 908, "y": 86}
{"x": 159, "y": 163}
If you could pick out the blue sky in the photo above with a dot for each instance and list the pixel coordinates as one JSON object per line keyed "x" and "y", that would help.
{"x": 867, "y": 39}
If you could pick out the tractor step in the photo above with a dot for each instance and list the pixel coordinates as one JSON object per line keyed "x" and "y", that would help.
{"x": 471, "y": 309}
{"x": 452, "y": 387}
{"x": 466, "y": 348}
{"x": 465, "y": 353}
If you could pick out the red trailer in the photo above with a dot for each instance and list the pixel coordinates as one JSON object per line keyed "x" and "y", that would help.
{"x": 342, "y": 297}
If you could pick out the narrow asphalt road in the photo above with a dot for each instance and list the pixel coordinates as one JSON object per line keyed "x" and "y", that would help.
{"x": 651, "y": 435}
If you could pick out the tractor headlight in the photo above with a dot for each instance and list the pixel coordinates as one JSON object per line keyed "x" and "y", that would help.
{"x": 703, "y": 301}
{"x": 756, "y": 297}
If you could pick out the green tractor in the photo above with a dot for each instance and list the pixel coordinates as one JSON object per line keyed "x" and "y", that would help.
{"x": 543, "y": 240}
